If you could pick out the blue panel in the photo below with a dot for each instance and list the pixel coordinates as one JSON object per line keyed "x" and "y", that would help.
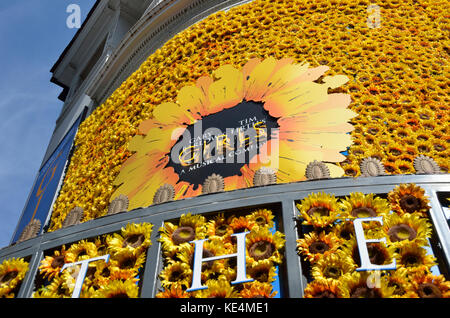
{"x": 44, "y": 190}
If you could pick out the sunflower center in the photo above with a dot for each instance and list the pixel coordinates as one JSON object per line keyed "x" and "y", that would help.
{"x": 183, "y": 234}
{"x": 365, "y": 292}
{"x": 325, "y": 294}
{"x": 134, "y": 240}
{"x": 318, "y": 211}
{"x": 376, "y": 254}
{"x": 401, "y": 232}
{"x": 363, "y": 212}
{"x": 233, "y": 136}
{"x": 261, "y": 250}
{"x": 119, "y": 295}
{"x": 428, "y": 290}
{"x": 8, "y": 277}
{"x": 410, "y": 203}
{"x": 221, "y": 230}
{"x": 58, "y": 261}
{"x": 318, "y": 247}
{"x": 127, "y": 263}
{"x": 411, "y": 259}
{"x": 260, "y": 221}
{"x": 332, "y": 272}
{"x": 261, "y": 276}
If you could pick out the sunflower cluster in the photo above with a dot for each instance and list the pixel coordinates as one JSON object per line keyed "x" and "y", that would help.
{"x": 119, "y": 277}
{"x": 330, "y": 252}
{"x": 399, "y": 85}
{"x": 12, "y": 273}
{"x": 264, "y": 248}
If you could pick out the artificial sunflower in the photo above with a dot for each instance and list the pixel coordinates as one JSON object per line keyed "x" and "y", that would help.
{"x": 241, "y": 224}
{"x": 219, "y": 288}
{"x": 6, "y": 292}
{"x": 344, "y": 230}
{"x": 263, "y": 272}
{"x": 315, "y": 245}
{"x": 414, "y": 258}
{"x": 322, "y": 288}
{"x": 219, "y": 226}
{"x": 176, "y": 274}
{"x": 212, "y": 247}
{"x": 12, "y": 272}
{"x": 189, "y": 228}
{"x": 400, "y": 229}
{"x": 175, "y": 291}
{"x": 319, "y": 209}
{"x": 332, "y": 266}
{"x": 60, "y": 287}
{"x": 258, "y": 289}
{"x": 409, "y": 198}
{"x": 135, "y": 237}
{"x": 360, "y": 205}
{"x": 286, "y": 91}
{"x": 262, "y": 217}
{"x": 126, "y": 263}
{"x": 262, "y": 245}
{"x": 355, "y": 285}
{"x": 118, "y": 289}
{"x": 82, "y": 250}
{"x": 51, "y": 264}
{"x": 379, "y": 253}
{"x": 402, "y": 286}
{"x": 427, "y": 285}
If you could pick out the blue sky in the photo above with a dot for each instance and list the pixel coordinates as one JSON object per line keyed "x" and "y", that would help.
{"x": 33, "y": 34}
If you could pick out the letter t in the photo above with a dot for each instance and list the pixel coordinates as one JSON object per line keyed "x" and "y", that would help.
{"x": 82, "y": 274}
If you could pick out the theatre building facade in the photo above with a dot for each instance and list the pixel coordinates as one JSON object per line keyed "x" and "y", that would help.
{"x": 243, "y": 149}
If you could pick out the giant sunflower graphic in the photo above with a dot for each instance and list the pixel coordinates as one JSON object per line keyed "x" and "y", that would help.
{"x": 311, "y": 124}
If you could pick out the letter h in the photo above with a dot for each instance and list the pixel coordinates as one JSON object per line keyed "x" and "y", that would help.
{"x": 241, "y": 276}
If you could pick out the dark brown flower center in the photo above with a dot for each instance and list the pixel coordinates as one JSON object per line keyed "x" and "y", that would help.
{"x": 261, "y": 250}
{"x": 411, "y": 259}
{"x": 318, "y": 211}
{"x": 429, "y": 290}
{"x": 222, "y": 229}
{"x": 8, "y": 277}
{"x": 363, "y": 212}
{"x": 410, "y": 203}
{"x": 325, "y": 294}
{"x": 365, "y": 292}
{"x": 57, "y": 261}
{"x": 318, "y": 247}
{"x": 134, "y": 240}
{"x": 260, "y": 221}
{"x": 183, "y": 234}
{"x": 401, "y": 232}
